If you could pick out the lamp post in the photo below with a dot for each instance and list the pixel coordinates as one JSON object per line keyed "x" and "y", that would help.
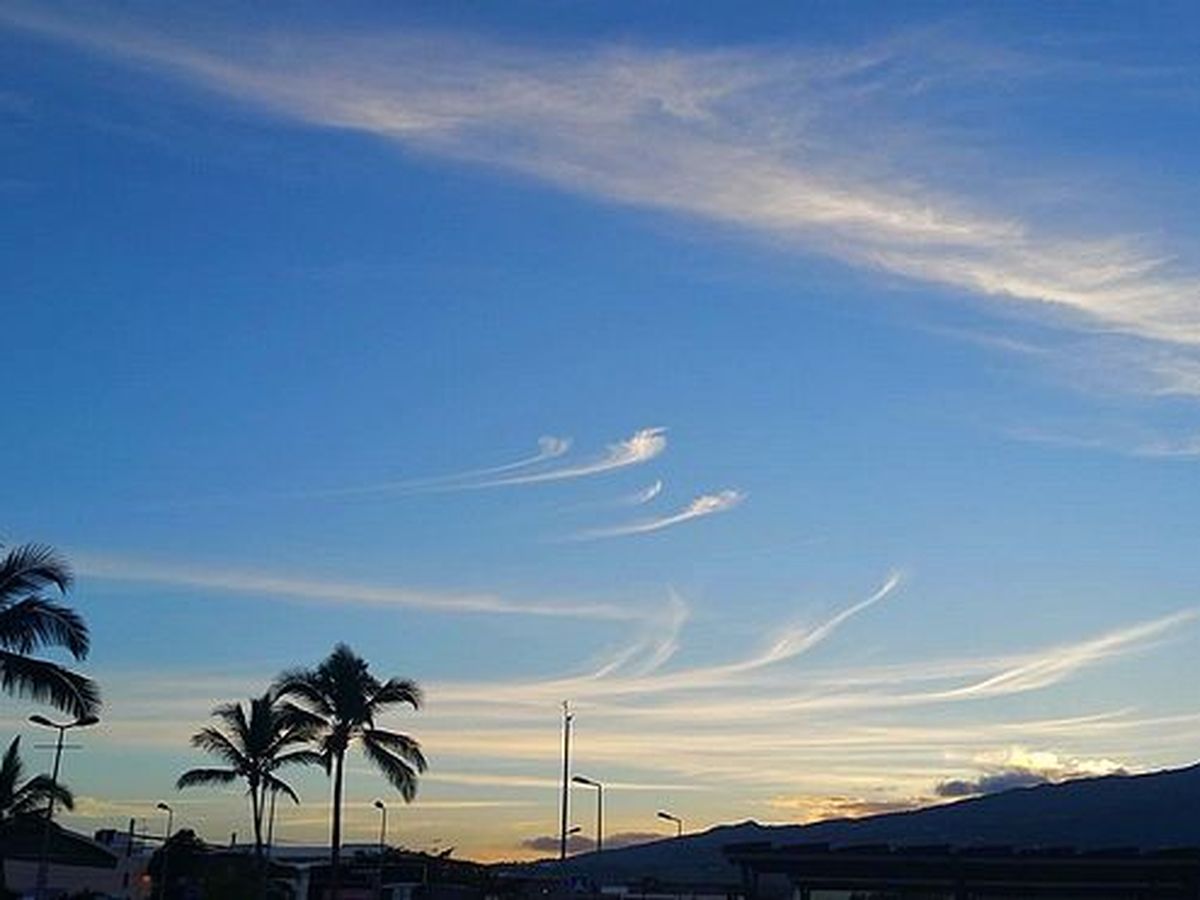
{"x": 379, "y": 805}
{"x": 565, "y": 801}
{"x": 43, "y": 872}
{"x": 587, "y": 782}
{"x": 670, "y": 818}
{"x": 382, "y": 807}
{"x": 162, "y": 893}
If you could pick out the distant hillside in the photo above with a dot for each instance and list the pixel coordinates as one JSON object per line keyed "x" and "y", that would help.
{"x": 1157, "y": 810}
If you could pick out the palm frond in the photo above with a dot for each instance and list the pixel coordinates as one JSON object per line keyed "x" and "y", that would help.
{"x": 234, "y": 716}
{"x": 298, "y": 718}
{"x": 198, "y": 777}
{"x": 401, "y": 745}
{"x": 396, "y": 691}
{"x": 304, "y": 686}
{"x": 35, "y": 794}
{"x": 399, "y": 773}
{"x": 35, "y": 622}
{"x": 31, "y": 568}
{"x": 11, "y": 771}
{"x": 213, "y": 741}
{"x": 279, "y": 786}
{"x": 299, "y": 758}
{"x": 47, "y": 682}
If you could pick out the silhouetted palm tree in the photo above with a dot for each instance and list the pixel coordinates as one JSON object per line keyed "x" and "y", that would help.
{"x": 30, "y": 621}
{"x": 23, "y": 798}
{"x": 254, "y": 745}
{"x": 20, "y": 798}
{"x": 344, "y": 700}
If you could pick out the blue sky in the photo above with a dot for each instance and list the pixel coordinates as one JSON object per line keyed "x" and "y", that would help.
{"x": 807, "y": 392}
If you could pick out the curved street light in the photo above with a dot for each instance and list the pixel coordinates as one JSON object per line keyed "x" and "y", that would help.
{"x": 382, "y": 807}
{"x": 672, "y": 818}
{"x": 43, "y": 871}
{"x": 588, "y": 782}
{"x": 166, "y": 848}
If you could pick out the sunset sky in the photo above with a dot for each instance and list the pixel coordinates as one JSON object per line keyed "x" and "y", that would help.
{"x": 808, "y": 392}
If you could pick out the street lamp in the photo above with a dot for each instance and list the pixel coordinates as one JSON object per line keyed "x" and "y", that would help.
{"x": 166, "y": 846}
{"x": 587, "y": 782}
{"x": 43, "y": 872}
{"x": 379, "y": 805}
{"x": 670, "y": 818}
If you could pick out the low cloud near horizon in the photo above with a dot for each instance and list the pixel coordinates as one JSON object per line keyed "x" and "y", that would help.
{"x": 1018, "y": 768}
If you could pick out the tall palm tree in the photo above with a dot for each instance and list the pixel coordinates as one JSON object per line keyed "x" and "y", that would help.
{"x": 30, "y": 621}
{"x": 343, "y": 699}
{"x": 255, "y": 742}
{"x": 31, "y": 797}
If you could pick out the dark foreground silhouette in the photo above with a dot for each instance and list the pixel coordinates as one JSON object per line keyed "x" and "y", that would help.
{"x": 1148, "y": 812}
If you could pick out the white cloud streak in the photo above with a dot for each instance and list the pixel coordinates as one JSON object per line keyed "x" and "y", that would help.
{"x": 793, "y": 643}
{"x": 291, "y": 588}
{"x": 747, "y": 138}
{"x": 702, "y": 506}
{"x": 549, "y": 448}
{"x": 645, "y": 495}
{"x": 1061, "y": 662}
{"x": 643, "y": 446}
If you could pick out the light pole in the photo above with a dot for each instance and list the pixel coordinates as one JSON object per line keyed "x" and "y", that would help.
{"x": 43, "y": 872}
{"x": 587, "y": 782}
{"x": 382, "y": 807}
{"x": 565, "y": 802}
{"x": 379, "y": 805}
{"x": 166, "y": 848}
{"x": 670, "y": 818}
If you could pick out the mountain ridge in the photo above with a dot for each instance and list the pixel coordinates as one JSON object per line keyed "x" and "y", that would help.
{"x": 1148, "y": 811}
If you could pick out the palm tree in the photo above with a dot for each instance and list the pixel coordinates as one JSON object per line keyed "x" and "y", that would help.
{"x": 256, "y": 742}
{"x": 343, "y": 699}
{"x": 25, "y": 798}
{"x": 30, "y": 621}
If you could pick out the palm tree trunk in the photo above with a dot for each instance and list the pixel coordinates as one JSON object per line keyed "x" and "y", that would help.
{"x": 335, "y": 850}
{"x": 256, "y": 806}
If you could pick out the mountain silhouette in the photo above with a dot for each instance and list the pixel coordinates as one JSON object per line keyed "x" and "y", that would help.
{"x": 1152, "y": 811}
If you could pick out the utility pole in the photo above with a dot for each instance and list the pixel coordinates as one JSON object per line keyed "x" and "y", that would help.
{"x": 565, "y": 801}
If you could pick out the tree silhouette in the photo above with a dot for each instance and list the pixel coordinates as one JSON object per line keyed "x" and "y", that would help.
{"x": 342, "y": 699}
{"x": 254, "y": 744}
{"x": 32, "y": 797}
{"x": 30, "y": 621}
{"x": 22, "y": 798}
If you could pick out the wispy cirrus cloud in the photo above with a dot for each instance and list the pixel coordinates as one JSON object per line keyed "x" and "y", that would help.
{"x": 761, "y": 139}
{"x": 643, "y": 446}
{"x": 645, "y": 495}
{"x": 296, "y": 589}
{"x": 609, "y": 682}
{"x": 1061, "y": 662}
{"x": 703, "y": 506}
{"x": 549, "y": 448}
